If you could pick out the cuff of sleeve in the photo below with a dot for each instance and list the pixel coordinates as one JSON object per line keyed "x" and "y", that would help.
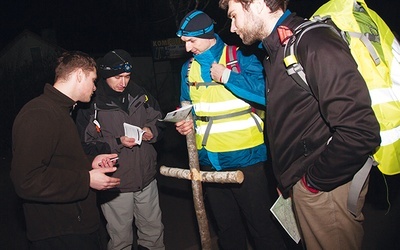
{"x": 225, "y": 75}
{"x": 118, "y": 141}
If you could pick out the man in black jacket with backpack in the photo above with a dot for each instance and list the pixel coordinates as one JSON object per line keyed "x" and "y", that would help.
{"x": 319, "y": 139}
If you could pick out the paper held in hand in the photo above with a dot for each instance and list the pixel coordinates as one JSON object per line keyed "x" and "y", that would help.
{"x": 133, "y": 131}
{"x": 283, "y": 211}
{"x": 178, "y": 115}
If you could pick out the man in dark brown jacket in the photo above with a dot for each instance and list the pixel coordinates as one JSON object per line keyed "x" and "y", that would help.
{"x": 50, "y": 170}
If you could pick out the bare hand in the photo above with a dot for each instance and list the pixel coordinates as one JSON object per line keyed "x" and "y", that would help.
{"x": 104, "y": 161}
{"x": 216, "y": 71}
{"x": 128, "y": 142}
{"x": 184, "y": 127}
{"x": 148, "y": 135}
{"x": 100, "y": 181}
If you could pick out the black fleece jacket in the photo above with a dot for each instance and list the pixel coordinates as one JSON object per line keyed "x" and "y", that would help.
{"x": 327, "y": 136}
{"x": 50, "y": 170}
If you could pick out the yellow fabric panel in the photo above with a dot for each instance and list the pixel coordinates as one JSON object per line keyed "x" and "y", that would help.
{"x": 228, "y": 142}
{"x": 389, "y": 158}
{"x": 376, "y": 77}
{"x": 388, "y": 114}
{"x": 214, "y": 100}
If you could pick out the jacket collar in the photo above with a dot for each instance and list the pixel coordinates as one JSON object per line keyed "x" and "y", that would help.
{"x": 272, "y": 43}
{"x": 213, "y": 53}
{"x": 106, "y": 101}
{"x": 60, "y": 98}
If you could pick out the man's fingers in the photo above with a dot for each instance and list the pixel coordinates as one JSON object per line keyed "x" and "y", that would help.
{"x": 108, "y": 170}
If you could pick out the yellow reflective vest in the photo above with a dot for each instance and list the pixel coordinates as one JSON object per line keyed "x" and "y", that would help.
{"x": 382, "y": 75}
{"x": 224, "y": 123}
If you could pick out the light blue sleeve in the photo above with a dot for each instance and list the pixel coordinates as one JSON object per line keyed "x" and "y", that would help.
{"x": 184, "y": 85}
{"x": 249, "y": 84}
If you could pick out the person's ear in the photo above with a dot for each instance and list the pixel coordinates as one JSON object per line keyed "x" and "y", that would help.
{"x": 257, "y": 6}
{"x": 79, "y": 75}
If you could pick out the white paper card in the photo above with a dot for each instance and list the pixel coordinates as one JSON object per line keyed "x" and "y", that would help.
{"x": 133, "y": 131}
{"x": 282, "y": 210}
{"x": 178, "y": 115}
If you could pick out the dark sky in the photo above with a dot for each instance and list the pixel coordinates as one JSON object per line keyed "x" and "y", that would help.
{"x": 99, "y": 25}
{"x": 96, "y": 26}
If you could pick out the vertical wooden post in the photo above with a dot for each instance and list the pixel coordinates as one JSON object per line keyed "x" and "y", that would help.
{"x": 197, "y": 189}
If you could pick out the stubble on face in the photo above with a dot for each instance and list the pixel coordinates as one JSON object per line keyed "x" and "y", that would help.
{"x": 251, "y": 32}
{"x": 252, "y": 29}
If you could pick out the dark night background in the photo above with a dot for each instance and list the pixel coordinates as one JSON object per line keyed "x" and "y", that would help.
{"x": 98, "y": 26}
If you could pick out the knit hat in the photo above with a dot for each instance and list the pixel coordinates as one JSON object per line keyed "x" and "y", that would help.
{"x": 196, "y": 24}
{"x": 114, "y": 63}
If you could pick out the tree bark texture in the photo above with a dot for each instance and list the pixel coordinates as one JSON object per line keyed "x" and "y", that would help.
{"x": 203, "y": 176}
{"x": 197, "y": 189}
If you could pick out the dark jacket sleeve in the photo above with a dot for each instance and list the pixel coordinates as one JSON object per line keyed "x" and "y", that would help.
{"x": 344, "y": 104}
{"x": 154, "y": 113}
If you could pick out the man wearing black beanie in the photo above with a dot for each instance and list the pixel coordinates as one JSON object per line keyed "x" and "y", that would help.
{"x": 222, "y": 84}
{"x": 119, "y": 100}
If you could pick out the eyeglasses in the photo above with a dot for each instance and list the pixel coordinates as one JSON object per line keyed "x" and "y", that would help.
{"x": 126, "y": 66}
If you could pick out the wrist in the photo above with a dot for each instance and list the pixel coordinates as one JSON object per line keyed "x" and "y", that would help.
{"x": 307, "y": 185}
{"x": 225, "y": 75}
{"x": 118, "y": 141}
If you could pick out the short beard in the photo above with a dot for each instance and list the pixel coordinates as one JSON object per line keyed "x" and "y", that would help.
{"x": 249, "y": 37}
{"x": 252, "y": 32}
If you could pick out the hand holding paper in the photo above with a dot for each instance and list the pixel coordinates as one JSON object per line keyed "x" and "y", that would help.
{"x": 133, "y": 131}
{"x": 178, "y": 115}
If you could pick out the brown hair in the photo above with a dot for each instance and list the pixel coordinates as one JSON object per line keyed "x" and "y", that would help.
{"x": 72, "y": 60}
{"x": 273, "y": 5}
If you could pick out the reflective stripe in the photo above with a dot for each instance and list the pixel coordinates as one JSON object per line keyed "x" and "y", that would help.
{"x": 211, "y": 120}
{"x": 387, "y": 95}
{"x": 390, "y": 136}
{"x": 230, "y": 133}
{"x": 396, "y": 50}
{"x": 228, "y": 126}
{"x": 213, "y": 107}
{"x": 395, "y": 66}
{"x": 384, "y": 95}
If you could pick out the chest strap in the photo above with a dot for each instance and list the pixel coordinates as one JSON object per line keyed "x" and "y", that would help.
{"x": 206, "y": 84}
{"x": 210, "y": 120}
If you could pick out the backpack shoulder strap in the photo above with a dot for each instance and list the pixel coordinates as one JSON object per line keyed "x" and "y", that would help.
{"x": 231, "y": 58}
{"x": 188, "y": 70}
{"x": 195, "y": 83}
{"x": 293, "y": 67}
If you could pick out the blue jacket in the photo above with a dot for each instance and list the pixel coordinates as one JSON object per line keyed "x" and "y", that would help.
{"x": 248, "y": 85}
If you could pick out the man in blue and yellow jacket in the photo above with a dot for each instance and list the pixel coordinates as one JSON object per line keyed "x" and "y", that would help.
{"x": 229, "y": 133}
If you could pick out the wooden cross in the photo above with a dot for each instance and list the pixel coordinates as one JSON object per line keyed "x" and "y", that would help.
{"x": 196, "y": 176}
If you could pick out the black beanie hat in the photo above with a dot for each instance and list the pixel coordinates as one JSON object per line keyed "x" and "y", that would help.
{"x": 114, "y": 63}
{"x": 196, "y": 24}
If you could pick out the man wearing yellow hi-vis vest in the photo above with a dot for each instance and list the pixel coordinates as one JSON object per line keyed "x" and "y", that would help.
{"x": 229, "y": 134}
